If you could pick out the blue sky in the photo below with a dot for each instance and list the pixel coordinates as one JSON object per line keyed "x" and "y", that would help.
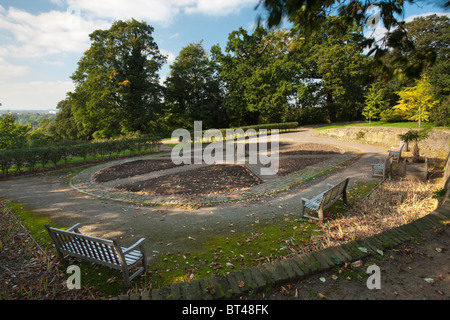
{"x": 41, "y": 41}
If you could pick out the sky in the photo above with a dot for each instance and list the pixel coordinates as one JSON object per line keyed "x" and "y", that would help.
{"x": 41, "y": 41}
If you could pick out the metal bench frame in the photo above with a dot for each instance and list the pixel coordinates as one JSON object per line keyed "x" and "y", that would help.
{"x": 325, "y": 199}
{"x": 72, "y": 242}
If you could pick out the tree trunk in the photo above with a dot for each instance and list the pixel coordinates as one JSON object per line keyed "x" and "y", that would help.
{"x": 416, "y": 155}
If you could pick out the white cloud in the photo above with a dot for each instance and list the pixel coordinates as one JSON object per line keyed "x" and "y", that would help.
{"x": 219, "y": 7}
{"x": 46, "y": 33}
{"x": 33, "y": 95}
{"x": 9, "y": 71}
{"x": 158, "y": 11}
{"x": 150, "y": 10}
{"x": 170, "y": 55}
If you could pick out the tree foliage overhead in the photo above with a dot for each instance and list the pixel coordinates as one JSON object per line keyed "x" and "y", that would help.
{"x": 308, "y": 16}
{"x": 117, "y": 82}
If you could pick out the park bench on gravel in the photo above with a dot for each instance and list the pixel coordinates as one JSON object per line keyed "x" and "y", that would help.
{"x": 397, "y": 152}
{"x": 382, "y": 168}
{"x": 325, "y": 199}
{"x": 106, "y": 252}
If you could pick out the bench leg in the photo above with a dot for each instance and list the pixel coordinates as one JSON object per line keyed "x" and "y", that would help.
{"x": 344, "y": 197}
{"x": 303, "y": 208}
{"x": 320, "y": 214}
{"x": 126, "y": 277}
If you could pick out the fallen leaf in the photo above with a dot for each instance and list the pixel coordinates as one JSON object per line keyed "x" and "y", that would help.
{"x": 380, "y": 252}
{"x": 362, "y": 249}
{"x": 357, "y": 263}
{"x": 284, "y": 291}
{"x": 321, "y": 296}
{"x": 211, "y": 289}
{"x": 322, "y": 279}
{"x": 429, "y": 280}
{"x": 240, "y": 283}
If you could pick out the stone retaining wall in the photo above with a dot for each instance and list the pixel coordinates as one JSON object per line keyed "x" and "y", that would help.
{"x": 436, "y": 145}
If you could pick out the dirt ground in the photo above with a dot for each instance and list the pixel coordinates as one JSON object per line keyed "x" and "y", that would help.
{"x": 419, "y": 270}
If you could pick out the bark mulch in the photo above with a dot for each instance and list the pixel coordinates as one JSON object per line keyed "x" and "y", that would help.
{"x": 206, "y": 180}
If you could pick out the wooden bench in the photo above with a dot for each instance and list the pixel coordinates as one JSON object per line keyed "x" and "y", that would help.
{"x": 325, "y": 199}
{"x": 382, "y": 168}
{"x": 397, "y": 152}
{"x": 109, "y": 253}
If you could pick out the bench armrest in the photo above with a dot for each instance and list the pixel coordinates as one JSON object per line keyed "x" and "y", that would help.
{"x": 307, "y": 200}
{"x": 75, "y": 228}
{"x": 138, "y": 243}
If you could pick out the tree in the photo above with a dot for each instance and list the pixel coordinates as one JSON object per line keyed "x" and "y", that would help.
{"x": 259, "y": 76}
{"x": 415, "y": 136}
{"x": 193, "y": 91}
{"x": 333, "y": 68}
{"x": 117, "y": 82}
{"x": 12, "y": 134}
{"x": 416, "y": 102}
{"x": 375, "y": 102}
{"x": 64, "y": 126}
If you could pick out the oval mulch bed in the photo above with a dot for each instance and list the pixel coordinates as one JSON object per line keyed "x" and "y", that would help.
{"x": 207, "y": 180}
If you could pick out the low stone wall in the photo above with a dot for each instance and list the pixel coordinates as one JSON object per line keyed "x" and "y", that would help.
{"x": 436, "y": 145}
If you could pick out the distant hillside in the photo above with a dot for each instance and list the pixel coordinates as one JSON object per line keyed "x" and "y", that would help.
{"x": 31, "y": 118}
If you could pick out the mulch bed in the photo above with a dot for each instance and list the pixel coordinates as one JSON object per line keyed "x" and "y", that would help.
{"x": 212, "y": 179}
{"x": 291, "y": 165}
{"x": 133, "y": 168}
{"x": 206, "y": 180}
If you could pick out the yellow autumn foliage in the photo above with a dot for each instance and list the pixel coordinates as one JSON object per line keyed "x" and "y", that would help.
{"x": 416, "y": 102}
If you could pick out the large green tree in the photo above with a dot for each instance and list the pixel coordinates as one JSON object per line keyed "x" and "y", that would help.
{"x": 193, "y": 90}
{"x": 333, "y": 67}
{"x": 64, "y": 126}
{"x": 117, "y": 82}
{"x": 259, "y": 76}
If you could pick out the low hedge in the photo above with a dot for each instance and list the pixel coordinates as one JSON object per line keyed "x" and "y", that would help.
{"x": 30, "y": 157}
